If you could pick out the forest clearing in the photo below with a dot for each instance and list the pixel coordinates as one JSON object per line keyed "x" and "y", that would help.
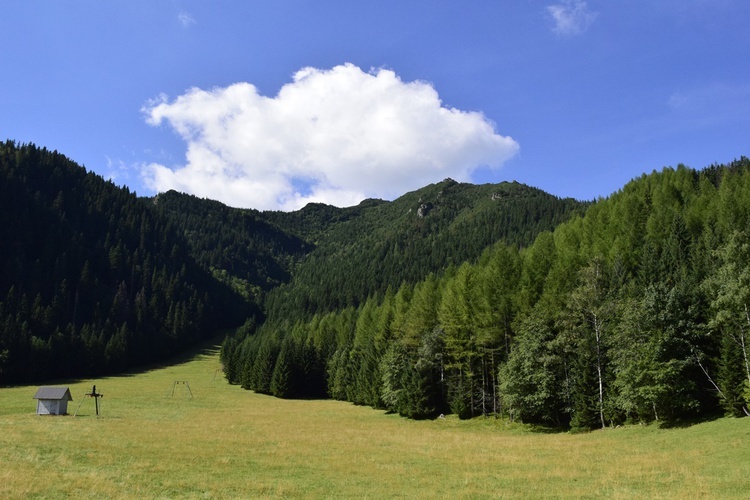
{"x": 154, "y": 440}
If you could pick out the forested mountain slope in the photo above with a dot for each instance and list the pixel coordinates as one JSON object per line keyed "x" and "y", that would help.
{"x": 362, "y": 251}
{"x": 326, "y": 257}
{"x": 92, "y": 279}
{"x": 635, "y": 311}
{"x": 237, "y": 246}
{"x": 96, "y": 280}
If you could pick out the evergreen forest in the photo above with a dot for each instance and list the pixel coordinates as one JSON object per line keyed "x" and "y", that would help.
{"x": 635, "y": 309}
{"x": 94, "y": 280}
{"x": 494, "y": 300}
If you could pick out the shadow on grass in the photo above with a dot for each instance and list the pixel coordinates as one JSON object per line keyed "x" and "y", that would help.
{"x": 205, "y": 347}
{"x": 670, "y": 424}
{"x": 689, "y": 422}
{"x": 546, "y": 429}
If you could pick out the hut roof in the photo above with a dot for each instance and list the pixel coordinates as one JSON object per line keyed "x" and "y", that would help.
{"x": 53, "y": 393}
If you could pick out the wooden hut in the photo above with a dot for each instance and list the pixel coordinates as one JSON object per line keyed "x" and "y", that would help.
{"x": 52, "y": 400}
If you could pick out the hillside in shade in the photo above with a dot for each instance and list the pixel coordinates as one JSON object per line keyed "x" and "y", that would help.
{"x": 93, "y": 280}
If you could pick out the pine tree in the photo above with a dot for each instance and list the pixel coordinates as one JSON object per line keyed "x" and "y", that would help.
{"x": 457, "y": 320}
{"x": 535, "y": 382}
{"x": 284, "y": 379}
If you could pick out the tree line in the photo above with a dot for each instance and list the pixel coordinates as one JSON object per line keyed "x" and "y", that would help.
{"x": 635, "y": 311}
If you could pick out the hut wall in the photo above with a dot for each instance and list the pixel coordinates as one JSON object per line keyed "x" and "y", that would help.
{"x": 51, "y": 407}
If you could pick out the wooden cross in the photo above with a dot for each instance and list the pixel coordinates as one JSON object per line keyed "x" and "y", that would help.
{"x": 92, "y": 394}
{"x": 96, "y": 396}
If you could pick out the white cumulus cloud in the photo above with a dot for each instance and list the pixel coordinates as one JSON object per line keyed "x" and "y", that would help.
{"x": 571, "y": 17}
{"x": 335, "y": 136}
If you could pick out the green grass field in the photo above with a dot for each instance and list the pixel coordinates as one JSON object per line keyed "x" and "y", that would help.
{"x": 226, "y": 442}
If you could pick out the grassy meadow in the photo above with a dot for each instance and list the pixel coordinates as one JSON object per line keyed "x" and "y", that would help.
{"x": 226, "y": 442}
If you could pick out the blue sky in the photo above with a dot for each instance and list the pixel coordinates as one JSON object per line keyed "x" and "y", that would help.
{"x": 272, "y": 104}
